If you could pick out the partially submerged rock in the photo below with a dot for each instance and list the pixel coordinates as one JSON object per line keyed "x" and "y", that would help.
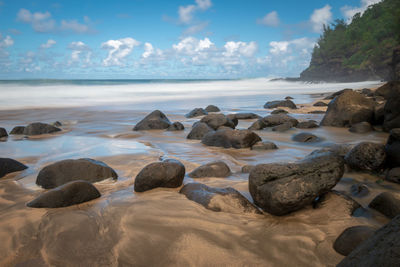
{"x": 199, "y": 130}
{"x": 280, "y": 103}
{"x": 266, "y": 145}
{"x": 366, "y": 156}
{"x": 306, "y": 138}
{"x": 393, "y": 175}
{"x": 217, "y": 120}
{"x": 68, "y": 170}
{"x": 38, "y": 128}
{"x": 359, "y": 190}
{"x": 244, "y": 116}
{"x": 212, "y": 108}
{"x": 392, "y": 148}
{"x": 320, "y": 104}
{"x": 231, "y": 138}
{"x": 176, "y": 126}
{"x": 280, "y": 188}
{"x": 8, "y": 165}
{"x": 361, "y": 127}
{"x": 279, "y": 111}
{"x": 156, "y": 120}
{"x": 18, "y": 130}
{"x": 307, "y": 124}
{"x": 212, "y": 169}
{"x": 3, "y": 132}
{"x": 196, "y": 112}
{"x": 168, "y": 173}
{"x": 219, "y": 199}
{"x": 352, "y": 237}
{"x": 282, "y": 127}
{"x": 71, "y": 193}
{"x": 273, "y": 120}
{"x": 386, "y": 203}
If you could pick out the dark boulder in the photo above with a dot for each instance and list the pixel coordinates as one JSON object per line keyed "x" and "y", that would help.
{"x": 273, "y": 120}
{"x": 367, "y": 92}
{"x": 280, "y": 188}
{"x": 231, "y": 138}
{"x": 381, "y": 249}
{"x": 212, "y": 169}
{"x": 65, "y": 171}
{"x": 288, "y": 98}
{"x": 199, "y": 130}
{"x": 347, "y": 109}
{"x": 379, "y": 114}
{"x": 3, "y": 132}
{"x": 320, "y": 104}
{"x": 282, "y": 127}
{"x": 38, "y": 128}
{"x": 176, "y": 126}
{"x": 219, "y": 199}
{"x": 366, "y": 156}
{"x": 392, "y": 111}
{"x": 18, "y": 130}
{"x": 257, "y": 125}
{"x": 392, "y": 148}
{"x": 266, "y": 145}
{"x": 279, "y": 111}
{"x": 243, "y": 116}
{"x": 212, "y": 108}
{"x": 306, "y": 138}
{"x": 386, "y": 203}
{"x": 168, "y": 173}
{"x": 361, "y": 127}
{"x": 280, "y": 103}
{"x": 57, "y": 124}
{"x": 350, "y": 238}
{"x": 307, "y": 124}
{"x": 217, "y": 120}
{"x": 388, "y": 89}
{"x": 393, "y": 175}
{"x": 156, "y": 120}
{"x": 68, "y": 194}
{"x": 196, "y": 112}
{"x": 338, "y": 93}
{"x": 10, "y": 165}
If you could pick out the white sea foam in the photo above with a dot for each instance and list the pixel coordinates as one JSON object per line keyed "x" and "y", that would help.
{"x": 21, "y": 95}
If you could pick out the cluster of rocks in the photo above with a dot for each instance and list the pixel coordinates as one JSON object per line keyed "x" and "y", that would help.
{"x": 36, "y": 128}
{"x": 157, "y": 120}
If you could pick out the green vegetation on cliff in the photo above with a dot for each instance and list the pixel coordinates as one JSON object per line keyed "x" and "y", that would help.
{"x": 361, "y": 50}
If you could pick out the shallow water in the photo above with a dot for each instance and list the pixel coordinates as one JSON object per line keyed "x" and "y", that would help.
{"x": 161, "y": 227}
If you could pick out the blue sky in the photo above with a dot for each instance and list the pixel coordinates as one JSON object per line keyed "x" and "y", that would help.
{"x": 163, "y": 39}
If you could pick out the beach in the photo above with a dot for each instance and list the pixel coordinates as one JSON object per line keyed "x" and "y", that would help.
{"x": 162, "y": 227}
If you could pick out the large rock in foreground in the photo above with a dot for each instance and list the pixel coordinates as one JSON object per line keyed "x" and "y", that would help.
{"x": 219, "y": 199}
{"x": 199, "y": 130}
{"x": 381, "y": 249}
{"x": 10, "y": 165}
{"x": 280, "y": 103}
{"x": 231, "y": 138}
{"x": 392, "y": 148}
{"x": 71, "y": 193}
{"x": 168, "y": 173}
{"x": 347, "y": 109}
{"x": 350, "y": 238}
{"x": 212, "y": 169}
{"x": 280, "y": 188}
{"x": 65, "y": 171}
{"x": 154, "y": 121}
{"x": 366, "y": 156}
{"x": 38, "y": 128}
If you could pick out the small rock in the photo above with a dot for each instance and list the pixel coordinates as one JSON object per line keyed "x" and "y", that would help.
{"x": 320, "y": 104}
{"x": 350, "y": 238}
{"x": 38, "y": 128}
{"x": 367, "y": 92}
{"x": 366, "y": 156}
{"x": 361, "y": 127}
{"x": 307, "y": 124}
{"x": 306, "y": 138}
{"x": 10, "y": 165}
{"x": 359, "y": 190}
{"x": 282, "y": 127}
{"x": 57, "y": 124}
{"x": 3, "y": 132}
{"x": 280, "y": 103}
{"x": 279, "y": 111}
{"x": 196, "y": 112}
{"x": 288, "y": 98}
{"x": 217, "y": 120}
{"x": 156, "y": 120}
{"x": 386, "y": 203}
{"x": 212, "y": 108}
{"x": 71, "y": 193}
{"x": 231, "y": 138}
{"x": 18, "y": 130}
{"x": 219, "y": 199}
{"x": 247, "y": 168}
{"x": 266, "y": 145}
{"x": 212, "y": 169}
{"x": 393, "y": 175}
{"x": 176, "y": 126}
{"x": 199, "y": 130}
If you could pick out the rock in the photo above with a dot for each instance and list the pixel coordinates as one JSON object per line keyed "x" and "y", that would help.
{"x": 231, "y": 138}
{"x": 336, "y": 149}
{"x": 366, "y": 156}
{"x": 37, "y": 128}
{"x": 388, "y": 89}
{"x": 332, "y": 96}
{"x": 361, "y": 127}
{"x": 334, "y": 204}
{"x": 156, "y": 120}
{"x": 279, "y": 111}
{"x": 243, "y": 116}
{"x": 18, "y": 130}
{"x": 247, "y": 168}
{"x": 68, "y": 194}
{"x": 392, "y": 148}
{"x": 196, "y": 112}
{"x": 282, "y": 127}
{"x": 212, "y": 169}
{"x": 386, "y": 203}
{"x": 257, "y": 125}
{"x": 219, "y": 199}
{"x": 57, "y": 124}
{"x": 392, "y": 110}
{"x": 280, "y": 103}
{"x": 65, "y": 171}
{"x": 317, "y": 112}
{"x": 10, "y": 165}
{"x": 379, "y": 114}
{"x": 233, "y": 118}
{"x": 266, "y": 145}
{"x": 288, "y": 98}
{"x": 212, "y": 108}
{"x": 168, "y": 173}
{"x": 217, "y": 120}
{"x": 347, "y": 109}
{"x": 3, "y": 132}
{"x": 273, "y": 120}
{"x": 305, "y": 138}
{"x": 359, "y": 190}
{"x": 307, "y": 124}
{"x": 199, "y": 130}
{"x": 381, "y": 249}
{"x": 176, "y": 126}
{"x": 280, "y": 188}
{"x": 393, "y": 175}
{"x": 320, "y": 104}
{"x": 350, "y": 238}
{"x": 367, "y": 92}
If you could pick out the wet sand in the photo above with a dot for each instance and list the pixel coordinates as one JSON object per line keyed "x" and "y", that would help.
{"x": 162, "y": 227}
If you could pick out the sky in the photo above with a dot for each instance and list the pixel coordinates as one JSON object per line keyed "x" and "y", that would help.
{"x": 160, "y": 39}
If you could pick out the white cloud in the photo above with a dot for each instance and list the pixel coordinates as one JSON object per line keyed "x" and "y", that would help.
{"x": 48, "y": 44}
{"x": 321, "y": 17}
{"x": 270, "y": 19}
{"x": 74, "y": 26}
{"x": 6, "y": 42}
{"x": 118, "y": 50}
{"x": 233, "y": 49}
{"x": 41, "y": 22}
{"x": 349, "y": 11}
{"x": 186, "y": 13}
{"x": 191, "y": 45}
{"x": 149, "y": 51}
{"x": 204, "y": 4}
{"x": 285, "y": 47}
{"x": 81, "y": 53}
{"x": 4, "y": 55}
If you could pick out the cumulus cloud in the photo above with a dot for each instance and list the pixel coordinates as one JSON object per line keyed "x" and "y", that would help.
{"x": 81, "y": 53}
{"x": 203, "y": 4}
{"x": 270, "y": 19}
{"x": 118, "y": 50}
{"x": 4, "y": 55}
{"x": 349, "y": 11}
{"x": 321, "y": 17}
{"x": 48, "y": 44}
{"x": 233, "y": 49}
{"x": 149, "y": 52}
{"x": 74, "y": 26}
{"x": 6, "y": 42}
{"x": 186, "y": 13}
